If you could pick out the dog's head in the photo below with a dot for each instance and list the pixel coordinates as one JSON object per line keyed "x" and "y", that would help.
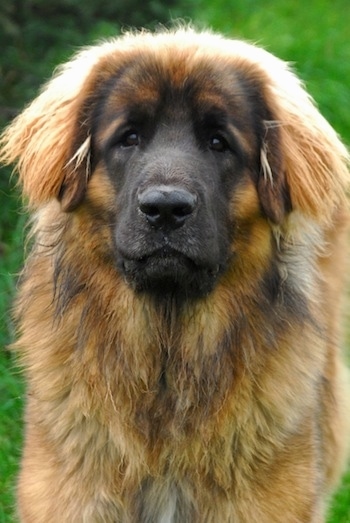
{"x": 193, "y": 138}
{"x": 177, "y": 138}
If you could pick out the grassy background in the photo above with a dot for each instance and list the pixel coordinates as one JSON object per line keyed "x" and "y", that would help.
{"x": 315, "y": 37}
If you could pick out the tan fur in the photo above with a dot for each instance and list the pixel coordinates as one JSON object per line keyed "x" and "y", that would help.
{"x": 248, "y": 431}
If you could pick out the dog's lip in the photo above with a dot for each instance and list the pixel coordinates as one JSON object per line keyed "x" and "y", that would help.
{"x": 164, "y": 254}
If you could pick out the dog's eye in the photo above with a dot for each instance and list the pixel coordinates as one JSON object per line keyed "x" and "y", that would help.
{"x": 218, "y": 143}
{"x": 130, "y": 139}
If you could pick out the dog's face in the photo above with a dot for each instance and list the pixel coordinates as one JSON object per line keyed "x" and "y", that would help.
{"x": 181, "y": 148}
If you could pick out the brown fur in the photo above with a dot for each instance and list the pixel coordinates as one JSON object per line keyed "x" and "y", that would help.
{"x": 252, "y": 424}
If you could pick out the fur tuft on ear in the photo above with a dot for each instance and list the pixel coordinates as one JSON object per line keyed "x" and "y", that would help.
{"x": 273, "y": 188}
{"x": 77, "y": 175}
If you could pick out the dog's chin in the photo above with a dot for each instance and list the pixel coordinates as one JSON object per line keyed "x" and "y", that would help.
{"x": 169, "y": 275}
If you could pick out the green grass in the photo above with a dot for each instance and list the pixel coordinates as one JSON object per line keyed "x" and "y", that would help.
{"x": 11, "y": 387}
{"x": 314, "y": 36}
{"x": 10, "y": 436}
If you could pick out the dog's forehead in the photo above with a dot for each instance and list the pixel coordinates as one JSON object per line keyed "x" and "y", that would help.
{"x": 174, "y": 77}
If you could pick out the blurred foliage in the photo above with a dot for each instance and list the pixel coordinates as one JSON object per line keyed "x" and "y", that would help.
{"x": 38, "y": 34}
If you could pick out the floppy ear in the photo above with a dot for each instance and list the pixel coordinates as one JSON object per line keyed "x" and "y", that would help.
{"x": 47, "y": 140}
{"x": 302, "y": 151}
{"x": 317, "y": 164}
{"x": 303, "y": 164}
{"x": 273, "y": 188}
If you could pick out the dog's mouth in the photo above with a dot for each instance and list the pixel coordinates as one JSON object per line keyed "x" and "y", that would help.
{"x": 169, "y": 271}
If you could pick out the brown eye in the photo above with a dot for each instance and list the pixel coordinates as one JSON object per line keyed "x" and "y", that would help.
{"x": 130, "y": 139}
{"x": 218, "y": 143}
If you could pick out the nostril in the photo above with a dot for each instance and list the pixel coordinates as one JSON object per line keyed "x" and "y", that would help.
{"x": 167, "y": 206}
{"x": 183, "y": 211}
{"x": 149, "y": 210}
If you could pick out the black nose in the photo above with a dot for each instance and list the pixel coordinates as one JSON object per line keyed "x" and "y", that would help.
{"x": 167, "y": 206}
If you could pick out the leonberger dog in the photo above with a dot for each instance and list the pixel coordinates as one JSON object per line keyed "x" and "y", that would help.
{"x": 178, "y": 316}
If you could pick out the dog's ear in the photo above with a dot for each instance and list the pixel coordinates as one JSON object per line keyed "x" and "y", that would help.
{"x": 49, "y": 142}
{"x": 273, "y": 188}
{"x": 316, "y": 163}
{"x": 305, "y": 165}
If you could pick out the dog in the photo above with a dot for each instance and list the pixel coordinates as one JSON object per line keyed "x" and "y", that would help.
{"x": 179, "y": 314}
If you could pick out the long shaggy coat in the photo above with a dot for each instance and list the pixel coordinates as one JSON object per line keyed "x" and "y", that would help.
{"x": 178, "y": 316}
